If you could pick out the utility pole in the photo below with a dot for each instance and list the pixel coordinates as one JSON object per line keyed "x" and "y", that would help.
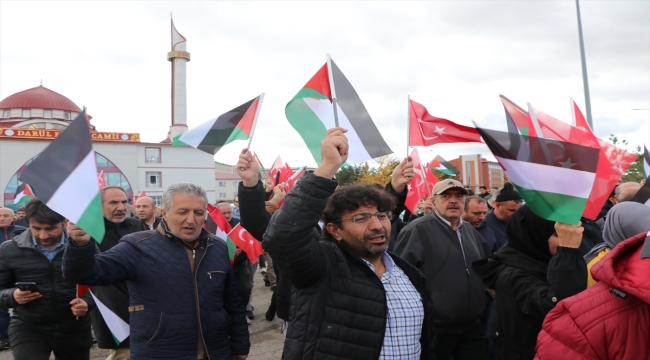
{"x": 585, "y": 81}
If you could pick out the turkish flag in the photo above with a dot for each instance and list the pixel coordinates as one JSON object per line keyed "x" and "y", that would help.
{"x": 418, "y": 188}
{"x": 432, "y": 179}
{"x": 280, "y": 172}
{"x": 246, "y": 242}
{"x": 100, "y": 179}
{"x": 426, "y": 129}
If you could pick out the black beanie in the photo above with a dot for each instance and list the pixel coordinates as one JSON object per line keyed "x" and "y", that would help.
{"x": 508, "y": 193}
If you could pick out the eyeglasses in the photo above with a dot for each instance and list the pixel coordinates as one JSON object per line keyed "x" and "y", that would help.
{"x": 363, "y": 218}
{"x": 447, "y": 196}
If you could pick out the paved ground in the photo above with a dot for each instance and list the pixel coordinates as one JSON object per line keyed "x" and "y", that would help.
{"x": 266, "y": 340}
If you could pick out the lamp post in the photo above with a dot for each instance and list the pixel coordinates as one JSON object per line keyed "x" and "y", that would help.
{"x": 584, "y": 68}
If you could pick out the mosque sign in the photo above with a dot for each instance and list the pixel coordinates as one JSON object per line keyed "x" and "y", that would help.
{"x": 48, "y": 134}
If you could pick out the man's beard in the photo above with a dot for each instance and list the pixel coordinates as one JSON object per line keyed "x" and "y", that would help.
{"x": 375, "y": 249}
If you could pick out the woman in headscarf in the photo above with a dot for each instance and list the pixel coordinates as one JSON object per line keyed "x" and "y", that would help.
{"x": 623, "y": 221}
{"x": 538, "y": 266}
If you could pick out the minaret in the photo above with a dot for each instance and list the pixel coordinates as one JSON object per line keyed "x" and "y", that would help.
{"x": 179, "y": 58}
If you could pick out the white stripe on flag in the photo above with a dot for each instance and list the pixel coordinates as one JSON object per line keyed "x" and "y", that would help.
{"x": 548, "y": 178}
{"x": 118, "y": 327}
{"x": 323, "y": 109}
{"x": 76, "y": 192}
{"x": 221, "y": 235}
{"x": 195, "y": 136}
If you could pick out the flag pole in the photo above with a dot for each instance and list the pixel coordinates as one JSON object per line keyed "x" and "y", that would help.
{"x": 257, "y": 114}
{"x": 408, "y": 123}
{"x": 538, "y": 130}
{"x": 332, "y": 89}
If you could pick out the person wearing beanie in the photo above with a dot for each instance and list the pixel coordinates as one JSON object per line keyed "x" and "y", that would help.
{"x": 506, "y": 203}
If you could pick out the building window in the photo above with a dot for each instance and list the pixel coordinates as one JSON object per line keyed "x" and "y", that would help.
{"x": 222, "y": 195}
{"x": 235, "y": 184}
{"x": 152, "y": 155}
{"x": 27, "y": 113}
{"x": 157, "y": 200}
{"x": 66, "y": 115}
{"x": 222, "y": 184}
{"x": 6, "y": 114}
{"x": 47, "y": 114}
{"x": 154, "y": 179}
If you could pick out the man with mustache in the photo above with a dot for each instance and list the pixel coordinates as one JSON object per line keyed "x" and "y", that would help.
{"x": 115, "y": 297}
{"x": 443, "y": 247}
{"x": 351, "y": 299}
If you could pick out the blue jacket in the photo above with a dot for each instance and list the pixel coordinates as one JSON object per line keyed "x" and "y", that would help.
{"x": 6, "y": 233}
{"x": 173, "y": 304}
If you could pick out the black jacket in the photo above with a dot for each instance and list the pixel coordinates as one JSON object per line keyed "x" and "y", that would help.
{"x": 338, "y": 304}
{"x": 115, "y": 297}
{"x": 498, "y": 228}
{"x": 20, "y": 260}
{"x": 459, "y": 297}
{"x": 255, "y": 218}
{"x": 526, "y": 290}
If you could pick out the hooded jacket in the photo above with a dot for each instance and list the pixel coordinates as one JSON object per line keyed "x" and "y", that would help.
{"x": 610, "y": 320}
{"x": 529, "y": 282}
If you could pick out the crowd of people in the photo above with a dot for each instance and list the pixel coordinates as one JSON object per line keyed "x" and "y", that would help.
{"x": 354, "y": 274}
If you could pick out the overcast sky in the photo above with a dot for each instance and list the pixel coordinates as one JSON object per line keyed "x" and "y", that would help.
{"x": 454, "y": 57}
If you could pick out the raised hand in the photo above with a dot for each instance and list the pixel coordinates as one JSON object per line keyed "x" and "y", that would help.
{"x": 334, "y": 150}
{"x": 569, "y": 235}
{"x": 77, "y": 234}
{"x": 247, "y": 168}
{"x": 402, "y": 175}
{"x": 278, "y": 194}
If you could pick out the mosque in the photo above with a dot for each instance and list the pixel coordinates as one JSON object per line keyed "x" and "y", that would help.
{"x": 31, "y": 119}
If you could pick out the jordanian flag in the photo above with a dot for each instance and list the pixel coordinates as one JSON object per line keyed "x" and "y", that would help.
{"x": 64, "y": 177}
{"x": 24, "y": 193}
{"x": 555, "y": 179}
{"x": 219, "y": 226}
{"x": 311, "y": 113}
{"x": 236, "y": 124}
{"x": 443, "y": 166}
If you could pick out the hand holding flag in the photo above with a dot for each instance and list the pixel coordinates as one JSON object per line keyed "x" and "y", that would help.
{"x": 402, "y": 174}
{"x": 248, "y": 168}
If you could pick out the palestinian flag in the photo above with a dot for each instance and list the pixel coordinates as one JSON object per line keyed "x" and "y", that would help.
{"x": 555, "y": 188}
{"x": 24, "y": 193}
{"x": 211, "y": 136}
{"x": 64, "y": 177}
{"x": 311, "y": 113}
{"x": 118, "y": 327}
{"x": 646, "y": 161}
{"x": 443, "y": 166}
{"x": 219, "y": 226}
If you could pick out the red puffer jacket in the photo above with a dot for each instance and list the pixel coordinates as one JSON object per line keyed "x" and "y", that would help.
{"x": 610, "y": 320}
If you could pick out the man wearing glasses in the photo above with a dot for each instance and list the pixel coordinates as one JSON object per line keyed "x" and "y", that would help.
{"x": 443, "y": 247}
{"x": 351, "y": 298}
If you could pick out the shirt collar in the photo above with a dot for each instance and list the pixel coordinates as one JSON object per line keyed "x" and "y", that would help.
{"x": 460, "y": 219}
{"x": 386, "y": 259}
{"x": 55, "y": 246}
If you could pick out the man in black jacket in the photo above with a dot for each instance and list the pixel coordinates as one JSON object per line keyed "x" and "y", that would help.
{"x": 443, "y": 247}
{"x": 115, "y": 297}
{"x": 43, "y": 320}
{"x": 351, "y": 298}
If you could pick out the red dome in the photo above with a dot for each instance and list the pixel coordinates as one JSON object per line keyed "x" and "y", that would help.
{"x": 39, "y": 97}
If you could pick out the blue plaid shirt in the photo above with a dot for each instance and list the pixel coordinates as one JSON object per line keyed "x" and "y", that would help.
{"x": 50, "y": 253}
{"x": 405, "y": 314}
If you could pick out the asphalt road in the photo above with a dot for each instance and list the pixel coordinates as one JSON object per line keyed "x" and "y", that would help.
{"x": 266, "y": 340}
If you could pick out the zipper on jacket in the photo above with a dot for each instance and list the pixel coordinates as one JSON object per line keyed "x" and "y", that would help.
{"x": 196, "y": 299}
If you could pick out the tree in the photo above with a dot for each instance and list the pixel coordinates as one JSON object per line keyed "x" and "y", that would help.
{"x": 382, "y": 173}
{"x": 348, "y": 174}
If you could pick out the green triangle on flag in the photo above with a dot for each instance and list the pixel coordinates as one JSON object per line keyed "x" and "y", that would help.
{"x": 24, "y": 193}
{"x": 64, "y": 177}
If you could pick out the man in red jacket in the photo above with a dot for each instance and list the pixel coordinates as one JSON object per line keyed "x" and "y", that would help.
{"x": 610, "y": 320}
